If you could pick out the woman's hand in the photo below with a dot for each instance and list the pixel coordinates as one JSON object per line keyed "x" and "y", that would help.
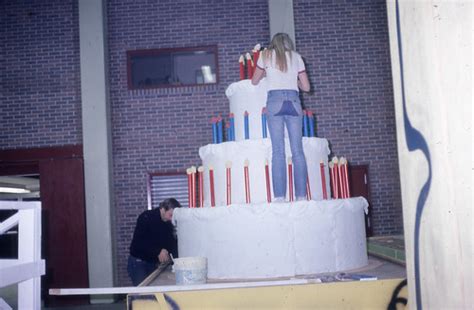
{"x": 164, "y": 256}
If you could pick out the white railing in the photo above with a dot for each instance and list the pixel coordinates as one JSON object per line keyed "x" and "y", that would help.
{"x": 27, "y": 270}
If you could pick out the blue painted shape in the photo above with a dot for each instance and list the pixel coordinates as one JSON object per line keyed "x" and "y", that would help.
{"x": 415, "y": 141}
{"x": 170, "y": 301}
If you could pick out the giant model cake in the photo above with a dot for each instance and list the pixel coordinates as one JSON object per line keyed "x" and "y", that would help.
{"x": 241, "y": 232}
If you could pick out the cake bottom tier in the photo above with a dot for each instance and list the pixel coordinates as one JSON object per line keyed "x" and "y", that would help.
{"x": 277, "y": 239}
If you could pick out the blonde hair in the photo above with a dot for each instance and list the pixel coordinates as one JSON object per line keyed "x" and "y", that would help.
{"x": 281, "y": 43}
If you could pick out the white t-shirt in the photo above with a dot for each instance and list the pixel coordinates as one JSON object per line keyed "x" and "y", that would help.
{"x": 277, "y": 79}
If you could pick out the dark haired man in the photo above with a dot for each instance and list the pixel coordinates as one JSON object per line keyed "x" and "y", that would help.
{"x": 153, "y": 241}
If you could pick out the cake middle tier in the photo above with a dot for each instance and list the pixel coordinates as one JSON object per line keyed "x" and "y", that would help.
{"x": 257, "y": 152}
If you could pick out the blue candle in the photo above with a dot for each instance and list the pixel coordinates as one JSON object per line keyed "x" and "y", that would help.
{"x": 219, "y": 129}
{"x": 311, "y": 124}
{"x": 214, "y": 130}
{"x": 305, "y": 124}
{"x": 246, "y": 125}
{"x": 232, "y": 127}
{"x": 264, "y": 122}
{"x": 229, "y": 132}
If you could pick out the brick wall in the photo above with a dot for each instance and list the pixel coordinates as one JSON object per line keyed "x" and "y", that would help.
{"x": 39, "y": 74}
{"x": 162, "y": 130}
{"x": 346, "y": 48}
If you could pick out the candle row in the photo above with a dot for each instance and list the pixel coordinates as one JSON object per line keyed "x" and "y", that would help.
{"x": 192, "y": 187}
{"x": 308, "y": 124}
{"x": 338, "y": 170}
{"x": 199, "y": 188}
{"x": 218, "y": 127}
{"x": 248, "y": 62}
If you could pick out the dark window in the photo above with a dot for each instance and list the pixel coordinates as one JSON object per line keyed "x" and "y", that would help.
{"x": 172, "y": 67}
{"x": 167, "y": 185}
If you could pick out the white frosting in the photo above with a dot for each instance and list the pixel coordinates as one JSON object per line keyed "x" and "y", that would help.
{"x": 261, "y": 240}
{"x": 275, "y": 240}
{"x": 243, "y": 96}
{"x": 257, "y": 151}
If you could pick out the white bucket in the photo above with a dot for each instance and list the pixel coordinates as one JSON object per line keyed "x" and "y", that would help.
{"x": 190, "y": 270}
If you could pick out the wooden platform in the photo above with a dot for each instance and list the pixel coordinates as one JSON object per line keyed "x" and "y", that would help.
{"x": 319, "y": 291}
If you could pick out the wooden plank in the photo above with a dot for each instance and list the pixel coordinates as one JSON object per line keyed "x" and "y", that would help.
{"x": 155, "y": 273}
{"x": 174, "y": 288}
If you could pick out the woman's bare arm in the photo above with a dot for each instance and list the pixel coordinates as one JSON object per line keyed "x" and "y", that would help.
{"x": 303, "y": 81}
{"x": 257, "y": 75}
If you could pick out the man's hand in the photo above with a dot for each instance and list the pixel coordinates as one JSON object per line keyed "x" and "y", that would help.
{"x": 164, "y": 256}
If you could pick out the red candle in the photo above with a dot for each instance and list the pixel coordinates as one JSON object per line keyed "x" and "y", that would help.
{"x": 323, "y": 180}
{"x": 336, "y": 177}
{"x": 331, "y": 178}
{"x": 241, "y": 67}
{"x": 290, "y": 178}
{"x": 190, "y": 190}
{"x": 267, "y": 181}
{"x": 211, "y": 185}
{"x": 346, "y": 178}
{"x": 249, "y": 66}
{"x": 341, "y": 180}
{"x": 201, "y": 186}
{"x": 308, "y": 189}
{"x": 193, "y": 185}
{"x": 247, "y": 181}
{"x": 228, "y": 166}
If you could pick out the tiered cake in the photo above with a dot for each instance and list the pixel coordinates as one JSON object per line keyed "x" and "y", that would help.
{"x": 261, "y": 239}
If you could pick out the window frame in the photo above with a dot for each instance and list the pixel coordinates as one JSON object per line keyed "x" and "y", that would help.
{"x": 160, "y": 51}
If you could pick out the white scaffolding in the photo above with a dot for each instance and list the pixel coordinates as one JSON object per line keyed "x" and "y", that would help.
{"x": 27, "y": 270}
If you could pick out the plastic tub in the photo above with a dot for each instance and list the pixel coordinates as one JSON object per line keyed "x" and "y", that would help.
{"x": 190, "y": 270}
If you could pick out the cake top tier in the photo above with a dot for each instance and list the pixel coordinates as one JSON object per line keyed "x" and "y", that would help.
{"x": 245, "y": 97}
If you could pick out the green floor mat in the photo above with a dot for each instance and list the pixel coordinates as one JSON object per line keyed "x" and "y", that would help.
{"x": 388, "y": 247}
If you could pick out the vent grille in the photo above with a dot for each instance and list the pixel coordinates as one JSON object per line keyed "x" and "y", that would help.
{"x": 169, "y": 186}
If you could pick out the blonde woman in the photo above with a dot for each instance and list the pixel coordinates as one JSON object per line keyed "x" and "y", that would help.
{"x": 285, "y": 72}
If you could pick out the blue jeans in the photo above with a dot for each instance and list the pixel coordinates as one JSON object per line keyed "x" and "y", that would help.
{"x": 284, "y": 108}
{"x": 139, "y": 269}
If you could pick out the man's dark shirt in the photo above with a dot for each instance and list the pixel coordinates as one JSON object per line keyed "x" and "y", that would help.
{"x": 151, "y": 236}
